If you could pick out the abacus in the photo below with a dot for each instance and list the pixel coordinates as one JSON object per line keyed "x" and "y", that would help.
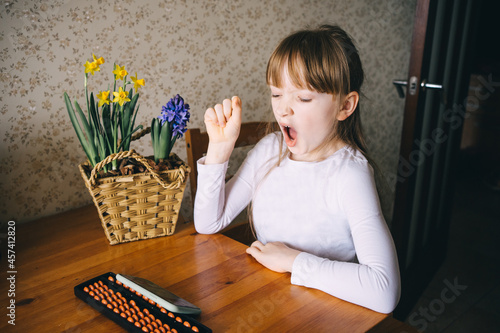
{"x": 132, "y": 310}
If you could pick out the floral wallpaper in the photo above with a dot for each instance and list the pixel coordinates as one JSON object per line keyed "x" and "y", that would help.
{"x": 205, "y": 50}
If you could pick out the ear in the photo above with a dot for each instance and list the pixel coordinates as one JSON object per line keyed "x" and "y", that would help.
{"x": 348, "y": 106}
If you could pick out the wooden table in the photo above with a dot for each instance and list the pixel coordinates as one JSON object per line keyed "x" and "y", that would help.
{"x": 235, "y": 293}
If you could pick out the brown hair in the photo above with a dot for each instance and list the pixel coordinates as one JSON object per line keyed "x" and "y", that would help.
{"x": 324, "y": 60}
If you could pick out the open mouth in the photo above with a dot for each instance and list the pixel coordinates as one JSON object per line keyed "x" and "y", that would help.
{"x": 290, "y": 135}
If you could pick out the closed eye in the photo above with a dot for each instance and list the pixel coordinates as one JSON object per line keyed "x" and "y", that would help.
{"x": 305, "y": 100}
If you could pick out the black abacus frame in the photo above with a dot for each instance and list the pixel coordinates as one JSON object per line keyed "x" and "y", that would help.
{"x": 141, "y": 303}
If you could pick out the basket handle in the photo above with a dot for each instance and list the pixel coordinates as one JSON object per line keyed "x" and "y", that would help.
{"x": 137, "y": 136}
{"x": 140, "y": 134}
{"x": 143, "y": 161}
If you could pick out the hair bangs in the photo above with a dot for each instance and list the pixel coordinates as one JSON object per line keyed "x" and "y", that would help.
{"x": 310, "y": 63}
{"x": 286, "y": 60}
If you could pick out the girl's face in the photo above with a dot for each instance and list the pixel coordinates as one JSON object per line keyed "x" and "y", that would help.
{"x": 306, "y": 119}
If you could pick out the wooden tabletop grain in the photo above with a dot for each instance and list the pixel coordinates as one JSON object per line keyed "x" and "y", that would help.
{"x": 235, "y": 293}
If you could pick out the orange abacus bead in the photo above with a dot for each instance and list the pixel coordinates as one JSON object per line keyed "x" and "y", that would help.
{"x": 126, "y": 306}
{"x": 106, "y": 287}
{"x": 138, "y": 324}
{"x": 109, "y": 306}
{"x": 152, "y": 317}
{"x": 136, "y": 308}
{"x": 140, "y": 314}
{"x": 97, "y": 298}
{"x": 123, "y": 315}
{"x": 147, "y": 319}
{"x": 152, "y": 302}
{"x": 171, "y": 315}
{"x": 118, "y": 283}
{"x": 146, "y": 311}
{"x": 115, "y": 305}
{"x": 100, "y": 282}
{"x": 187, "y": 324}
{"x": 103, "y": 301}
{"x": 122, "y": 309}
{"x": 145, "y": 298}
{"x": 91, "y": 287}
{"x": 116, "y": 310}
{"x": 91, "y": 293}
{"x": 145, "y": 329}
{"x": 132, "y": 302}
{"x": 86, "y": 289}
{"x": 163, "y": 310}
{"x": 143, "y": 323}
{"x": 162, "y": 330}
{"x": 195, "y": 329}
{"x": 165, "y": 326}
{"x": 132, "y": 310}
{"x": 96, "y": 285}
{"x": 110, "y": 278}
{"x": 158, "y": 321}
{"x": 118, "y": 294}
{"x": 179, "y": 319}
{"x": 150, "y": 328}
{"x": 173, "y": 330}
{"x": 154, "y": 324}
{"x": 127, "y": 312}
{"x": 135, "y": 317}
{"x": 130, "y": 319}
{"x": 156, "y": 330}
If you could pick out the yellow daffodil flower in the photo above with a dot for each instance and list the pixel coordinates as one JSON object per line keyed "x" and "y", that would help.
{"x": 98, "y": 61}
{"x": 137, "y": 83}
{"x": 91, "y": 67}
{"x": 121, "y": 97}
{"x": 103, "y": 98}
{"x": 120, "y": 72}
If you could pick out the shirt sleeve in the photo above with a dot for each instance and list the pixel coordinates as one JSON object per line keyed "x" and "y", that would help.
{"x": 217, "y": 203}
{"x": 372, "y": 282}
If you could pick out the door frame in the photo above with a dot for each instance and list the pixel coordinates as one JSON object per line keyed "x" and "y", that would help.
{"x": 417, "y": 272}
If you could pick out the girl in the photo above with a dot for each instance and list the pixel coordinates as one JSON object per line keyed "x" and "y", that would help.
{"x": 315, "y": 207}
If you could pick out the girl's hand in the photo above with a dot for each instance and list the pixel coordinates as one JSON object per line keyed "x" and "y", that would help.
{"x": 275, "y": 255}
{"x": 223, "y": 124}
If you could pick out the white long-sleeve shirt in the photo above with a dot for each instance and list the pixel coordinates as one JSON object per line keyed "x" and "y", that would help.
{"x": 328, "y": 210}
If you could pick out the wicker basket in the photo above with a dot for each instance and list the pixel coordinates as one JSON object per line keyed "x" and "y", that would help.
{"x": 138, "y": 206}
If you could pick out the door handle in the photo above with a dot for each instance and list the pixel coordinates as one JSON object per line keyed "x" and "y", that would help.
{"x": 426, "y": 85}
{"x": 399, "y": 84}
{"x": 412, "y": 89}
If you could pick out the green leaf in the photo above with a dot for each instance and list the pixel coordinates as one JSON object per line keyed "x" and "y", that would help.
{"x": 86, "y": 126}
{"x": 129, "y": 136}
{"x": 155, "y": 137}
{"x": 78, "y": 130}
{"x": 127, "y": 119}
{"x": 165, "y": 140}
{"x": 106, "y": 121}
{"x": 153, "y": 133}
{"x": 92, "y": 149}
